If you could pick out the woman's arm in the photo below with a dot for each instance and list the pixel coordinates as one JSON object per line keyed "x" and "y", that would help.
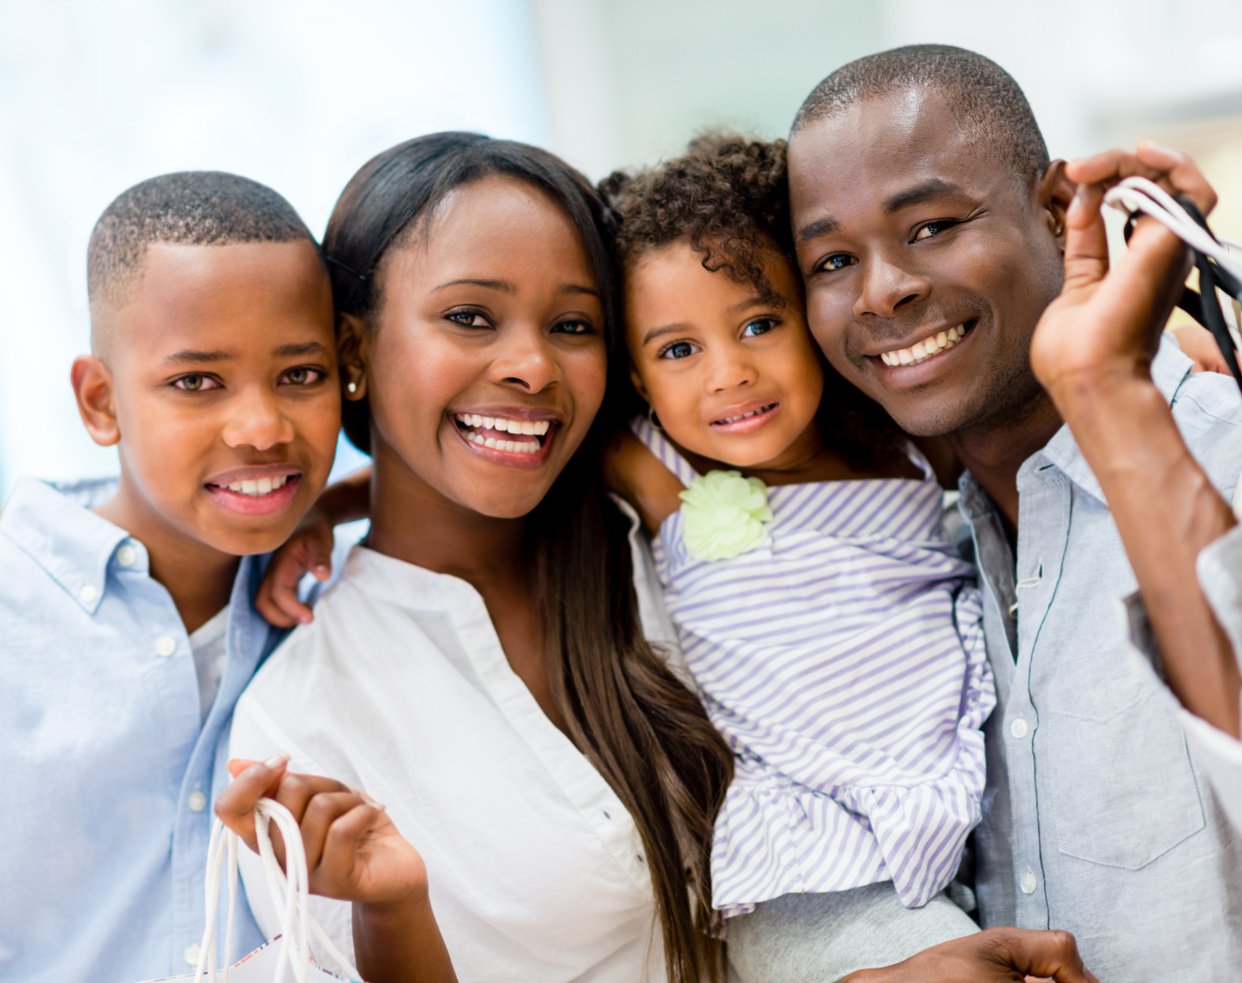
{"x": 634, "y": 473}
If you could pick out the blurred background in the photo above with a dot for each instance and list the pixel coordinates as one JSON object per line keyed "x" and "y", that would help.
{"x": 299, "y": 93}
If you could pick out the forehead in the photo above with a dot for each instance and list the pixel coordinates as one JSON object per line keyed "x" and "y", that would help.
{"x": 191, "y": 296}
{"x": 858, "y": 163}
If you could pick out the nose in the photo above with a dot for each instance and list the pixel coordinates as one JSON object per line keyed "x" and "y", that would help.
{"x": 258, "y": 420}
{"x": 888, "y": 285}
{"x": 526, "y": 359}
{"x": 730, "y": 367}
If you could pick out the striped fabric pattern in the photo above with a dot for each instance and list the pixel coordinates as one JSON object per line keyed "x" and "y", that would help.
{"x": 843, "y": 661}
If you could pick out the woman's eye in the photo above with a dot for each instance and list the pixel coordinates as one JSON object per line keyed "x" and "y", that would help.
{"x": 575, "y": 325}
{"x": 468, "y": 319}
{"x": 195, "y": 383}
{"x": 759, "y": 326}
{"x": 678, "y": 349}
{"x": 929, "y": 230}
{"x": 837, "y": 261}
{"x": 303, "y": 375}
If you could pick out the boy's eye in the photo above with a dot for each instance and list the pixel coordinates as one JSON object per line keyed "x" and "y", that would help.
{"x": 929, "y": 230}
{"x": 195, "y": 383}
{"x": 678, "y": 349}
{"x": 469, "y": 318}
{"x": 837, "y": 261}
{"x": 303, "y": 375}
{"x": 759, "y": 326}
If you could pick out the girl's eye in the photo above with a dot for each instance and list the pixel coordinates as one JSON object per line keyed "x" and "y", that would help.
{"x": 678, "y": 349}
{"x": 929, "y": 230}
{"x": 759, "y": 326}
{"x": 195, "y": 383}
{"x": 468, "y": 318}
{"x": 837, "y": 261}
{"x": 303, "y": 375}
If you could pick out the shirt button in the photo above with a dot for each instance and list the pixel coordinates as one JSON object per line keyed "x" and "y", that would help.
{"x": 191, "y": 955}
{"x": 165, "y": 645}
{"x": 1028, "y": 882}
{"x": 127, "y": 556}
{"x": 88, "y": 594}
{"x": 1019, "y": 728}
{"x": 197, "y": 801}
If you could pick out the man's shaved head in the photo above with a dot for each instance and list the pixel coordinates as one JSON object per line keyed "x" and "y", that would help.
{"x": 986, "y": 100}
{"x": 195, "y": 208}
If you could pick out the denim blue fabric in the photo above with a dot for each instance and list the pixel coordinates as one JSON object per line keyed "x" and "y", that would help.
{"x": 107, "y": 769}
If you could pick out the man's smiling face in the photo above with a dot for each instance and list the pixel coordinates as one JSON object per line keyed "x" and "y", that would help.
{"x": 927, "y": 260}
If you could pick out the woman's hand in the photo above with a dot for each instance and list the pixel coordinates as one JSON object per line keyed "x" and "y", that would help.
{"x": 308, "y": 550}
{"x": 353, "y": 849}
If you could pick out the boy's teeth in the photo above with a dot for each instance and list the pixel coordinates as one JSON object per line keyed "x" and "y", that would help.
{"x": 926, "y": 348}
{"x": 258, "y": 486}
{"x": 530, "y": 428}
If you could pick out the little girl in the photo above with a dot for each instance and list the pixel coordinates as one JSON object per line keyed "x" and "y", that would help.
{"x": 833, "y": 631}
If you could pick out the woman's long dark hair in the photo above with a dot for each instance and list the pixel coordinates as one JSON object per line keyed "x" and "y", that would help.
{"x": 644, "y": 731}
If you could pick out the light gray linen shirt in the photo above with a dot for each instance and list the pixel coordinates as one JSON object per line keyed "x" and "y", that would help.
{"x": 1096, "y": 817}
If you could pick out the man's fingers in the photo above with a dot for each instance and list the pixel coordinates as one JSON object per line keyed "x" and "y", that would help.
{"x": 1182, "y": 173}
{"x": 1171, "y": 169}
{"x": 1086, "y": 240}
{"x": 252, "y": 780}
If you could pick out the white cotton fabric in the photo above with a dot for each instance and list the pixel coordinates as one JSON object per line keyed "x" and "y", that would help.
{"x": 400, "y": 687}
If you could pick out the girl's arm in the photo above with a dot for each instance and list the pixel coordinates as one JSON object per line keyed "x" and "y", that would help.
{"x": 309, "y": 550}
{"x": 353, "y": 853}
{"x": 634, "y": 473}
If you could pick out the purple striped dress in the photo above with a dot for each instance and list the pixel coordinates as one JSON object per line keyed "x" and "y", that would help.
{"x": 843, "y": 661}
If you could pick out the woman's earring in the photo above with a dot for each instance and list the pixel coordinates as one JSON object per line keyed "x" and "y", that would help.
{"x": 653, "y": 419}
{"x": 351, "y": 387}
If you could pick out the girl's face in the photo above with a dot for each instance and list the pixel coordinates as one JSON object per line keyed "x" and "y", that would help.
{"x": 485, "y": 363}
{"x": 732, "y": 377}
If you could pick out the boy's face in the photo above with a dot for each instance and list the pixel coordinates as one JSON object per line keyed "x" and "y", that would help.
{"x": 927, "y": 260}
{"x": 225, "y": 394}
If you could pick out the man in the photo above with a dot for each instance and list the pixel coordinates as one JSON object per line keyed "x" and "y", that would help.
{"x": 930, "y": 227}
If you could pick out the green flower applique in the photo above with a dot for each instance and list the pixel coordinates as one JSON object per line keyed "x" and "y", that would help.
{"x": 724, "y": 514}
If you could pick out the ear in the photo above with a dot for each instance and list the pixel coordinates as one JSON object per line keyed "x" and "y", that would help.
{"x": 94, "y": 391}
{"x": 637, "y": 381}
{"x": 352, "y": 340}
{"x": 1053, "y": 194}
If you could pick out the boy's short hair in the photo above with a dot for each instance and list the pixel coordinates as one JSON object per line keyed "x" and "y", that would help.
{"x": 195, "y": 208}
{"x": 989, "y": 103}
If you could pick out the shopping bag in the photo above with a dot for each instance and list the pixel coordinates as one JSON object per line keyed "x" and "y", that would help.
{"x": 1218, "y": 303}
{"x": 287, "y": 957}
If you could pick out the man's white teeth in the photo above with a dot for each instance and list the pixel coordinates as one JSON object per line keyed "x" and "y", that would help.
{"x": 511, "y": 446}
{"x": 258, "y": 486}
{"x": 531, "y": 428}
{"x": 924, "y": 349}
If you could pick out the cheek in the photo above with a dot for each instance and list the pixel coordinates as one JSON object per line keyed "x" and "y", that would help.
{"x": 586, "y": 374}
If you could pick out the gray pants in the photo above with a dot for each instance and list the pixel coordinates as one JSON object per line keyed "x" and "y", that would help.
{"x": 818, "y": 938}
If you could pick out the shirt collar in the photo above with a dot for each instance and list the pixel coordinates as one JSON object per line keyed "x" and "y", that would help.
{"x": 1170, "y": 368}
{"x": 70, "y": 542}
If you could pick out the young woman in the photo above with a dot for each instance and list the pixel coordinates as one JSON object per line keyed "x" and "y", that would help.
{"x": 480, "y": 666}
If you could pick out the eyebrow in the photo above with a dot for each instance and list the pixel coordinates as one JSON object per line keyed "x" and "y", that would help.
{"x": 224, "y": 355}
{"x": 930, "y": 189}
{"x": 504, "y": 286}
{"x": 296, "y": 351}
{"x": 655, "y": 333}
{"x": 190, "y": 355}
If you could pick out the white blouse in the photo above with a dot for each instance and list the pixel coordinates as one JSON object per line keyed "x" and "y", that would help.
{"x": 400, "y": 688}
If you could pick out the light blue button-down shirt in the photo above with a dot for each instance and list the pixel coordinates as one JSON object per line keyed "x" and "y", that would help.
{"x": 1096, "y": 818}
{"x": 106, "y": 767}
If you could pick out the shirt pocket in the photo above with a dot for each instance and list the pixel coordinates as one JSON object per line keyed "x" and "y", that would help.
{"x": 1123, "y": 789}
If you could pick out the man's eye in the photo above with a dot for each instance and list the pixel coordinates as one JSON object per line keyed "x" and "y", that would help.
{"x": 759, "y": 326}
{"x": 468, "y": 318}
{"x": 304, "y": 375}
{"x": 929, "y": 230}
{"x": 678, "y": 349}
{"x": 195, "y": 383}
{"x": 837, "y": 261}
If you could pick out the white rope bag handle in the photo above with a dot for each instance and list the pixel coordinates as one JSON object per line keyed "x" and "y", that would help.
{"x": 291, "y": 894}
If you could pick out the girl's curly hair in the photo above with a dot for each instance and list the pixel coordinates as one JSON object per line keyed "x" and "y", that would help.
{"x": 728, "y": 197}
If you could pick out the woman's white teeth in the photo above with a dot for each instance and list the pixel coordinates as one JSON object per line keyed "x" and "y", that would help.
{"x": 258, "y": 486}
{"x": 535, "y": 428}
{"x": 511, "y": 446}
{"x": 926, "y": 348}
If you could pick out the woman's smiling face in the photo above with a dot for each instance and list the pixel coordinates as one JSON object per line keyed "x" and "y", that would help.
{"x": 485, "y": 362}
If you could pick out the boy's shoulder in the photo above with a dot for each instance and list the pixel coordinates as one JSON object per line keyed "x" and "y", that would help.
{"x": 52, "y": 528}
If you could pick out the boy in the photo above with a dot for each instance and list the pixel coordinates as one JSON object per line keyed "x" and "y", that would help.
{"x": 128, "y": 629}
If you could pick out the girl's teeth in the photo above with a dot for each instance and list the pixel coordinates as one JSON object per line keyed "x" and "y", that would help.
{"x": 924, "y": 349}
